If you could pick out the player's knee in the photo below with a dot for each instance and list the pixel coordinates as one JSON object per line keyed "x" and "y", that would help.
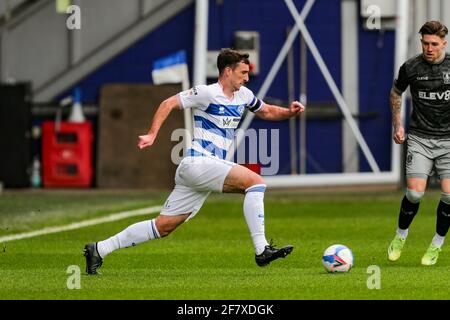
{"x": 254, "y": 180}
{"x": 260, "y": 187}
{"x": 414, "y": 196}
{"x": 165, "y": 227}
{"x": 445, "y": 197}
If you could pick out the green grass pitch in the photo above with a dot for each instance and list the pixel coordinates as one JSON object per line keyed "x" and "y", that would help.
{"x": 211, "y": 257}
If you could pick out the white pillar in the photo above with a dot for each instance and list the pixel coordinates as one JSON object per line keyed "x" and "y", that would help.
{"x": 350, "y": 81}
{"x": 201, "y": 41}
{"x": 401, "y": 52}
{"x": 200, "y": 52}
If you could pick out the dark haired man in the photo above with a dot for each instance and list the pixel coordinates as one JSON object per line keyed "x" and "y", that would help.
{"x": 428, "y": 139}
{"x": 204, "y": 168}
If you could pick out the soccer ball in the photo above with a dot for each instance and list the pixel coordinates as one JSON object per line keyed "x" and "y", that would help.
{"x": 337, "y": 258}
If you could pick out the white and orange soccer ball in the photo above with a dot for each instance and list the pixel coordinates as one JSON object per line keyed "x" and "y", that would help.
{"x": 337, "y": 258}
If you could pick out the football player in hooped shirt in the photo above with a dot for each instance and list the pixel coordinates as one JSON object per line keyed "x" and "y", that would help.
{"x": 217, "y": 110}
{"x": 428, "y": 139}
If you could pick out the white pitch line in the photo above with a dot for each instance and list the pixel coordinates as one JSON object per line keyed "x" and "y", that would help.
{"x": 82, "y": 224}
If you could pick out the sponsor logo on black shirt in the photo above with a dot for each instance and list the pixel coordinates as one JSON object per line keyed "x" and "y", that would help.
{"x": 435, "y": 95}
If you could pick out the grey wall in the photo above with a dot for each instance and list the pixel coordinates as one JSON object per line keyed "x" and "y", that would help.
{"x": 422, "y": 11}
{"x": 37, "y": 46}
{"x": 6, "y": 5}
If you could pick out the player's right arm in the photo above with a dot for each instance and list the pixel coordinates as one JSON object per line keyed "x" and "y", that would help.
{"x": 163, "y": 111}
{"x": 395, "y": 98}
{"x": 396, "y": 108}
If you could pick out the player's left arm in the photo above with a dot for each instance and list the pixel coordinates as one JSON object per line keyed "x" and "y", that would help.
{"x": 275, "y": 113}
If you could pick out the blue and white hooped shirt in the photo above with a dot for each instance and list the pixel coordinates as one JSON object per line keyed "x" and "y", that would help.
{"x": 216, "y": 117}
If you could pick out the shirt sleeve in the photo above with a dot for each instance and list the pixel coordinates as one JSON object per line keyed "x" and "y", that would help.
{"x": 252, "y": 102}
{"x": 196, "y": 97}
{"x": 402, "y": 82}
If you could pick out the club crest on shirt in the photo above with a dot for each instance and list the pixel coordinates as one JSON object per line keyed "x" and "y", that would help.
{"x": 446, "y": 77}
{"x": 241, "y": 109}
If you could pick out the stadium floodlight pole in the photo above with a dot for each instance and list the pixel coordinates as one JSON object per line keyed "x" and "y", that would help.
{"x": 271, "y": 75}
{"x": 333, "y": 87}
{"x": 401, "y": 51}
{"x": 200, "y": 55}
{"x": 201, "y": 41}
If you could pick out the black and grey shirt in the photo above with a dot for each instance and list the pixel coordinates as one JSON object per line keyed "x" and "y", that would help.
{"x": 430, "y": 92}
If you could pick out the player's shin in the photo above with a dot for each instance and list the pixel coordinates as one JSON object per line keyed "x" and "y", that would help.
{"x": 131, "y": 236}
{"x": 408, "y": 210}
{"x": 443, "y": 219}
{"x": 254, "y": 215}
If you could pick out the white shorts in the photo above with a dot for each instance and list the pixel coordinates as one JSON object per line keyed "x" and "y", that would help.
{"x": 195, "y": 179}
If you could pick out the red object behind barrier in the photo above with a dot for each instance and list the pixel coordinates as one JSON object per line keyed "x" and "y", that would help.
{"x": 67, "y": 154}
{"x": 255, "y": 167}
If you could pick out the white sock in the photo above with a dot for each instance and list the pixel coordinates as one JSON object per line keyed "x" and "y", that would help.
{"x": 402, "y": 233}
{"x": 131, "y": 236}
{"x": 438, "y": 240}
{"x": 254, "y": 216}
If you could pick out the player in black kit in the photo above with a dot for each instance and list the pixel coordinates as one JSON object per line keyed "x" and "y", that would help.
{"x": 428, "y": 139}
